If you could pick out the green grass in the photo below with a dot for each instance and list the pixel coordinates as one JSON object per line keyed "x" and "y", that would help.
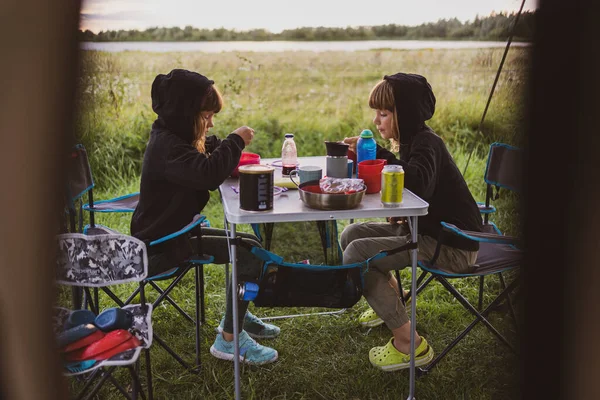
{"x": 317, "y": 96}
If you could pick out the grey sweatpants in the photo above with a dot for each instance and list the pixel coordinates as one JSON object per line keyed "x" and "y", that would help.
{"x": 361, "y": 241}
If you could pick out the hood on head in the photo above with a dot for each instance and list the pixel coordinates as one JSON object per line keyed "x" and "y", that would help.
{"x": 415, "y": 103}
{"x": 177, "y": 98}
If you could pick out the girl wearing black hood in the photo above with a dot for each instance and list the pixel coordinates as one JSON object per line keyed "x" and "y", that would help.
{"x": 402, "y": 104}
{"x": 181, "y": 165}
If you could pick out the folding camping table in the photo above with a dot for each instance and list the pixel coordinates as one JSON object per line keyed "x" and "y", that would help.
{"x": 287, "y": 207}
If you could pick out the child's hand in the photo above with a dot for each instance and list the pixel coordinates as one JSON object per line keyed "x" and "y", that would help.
{"x": 396, "y": 220}
{"x": 352, "y": 142}
{"x": 246, "y": 133}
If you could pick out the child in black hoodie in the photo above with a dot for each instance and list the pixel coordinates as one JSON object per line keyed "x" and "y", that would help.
{"x": 402, "y": 104}
{"x": 181, "y": 165}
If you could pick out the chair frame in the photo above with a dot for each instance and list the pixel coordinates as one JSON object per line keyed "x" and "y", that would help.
{"x": 106, "y": 371}
{"x": 196, "y": 262}
{"x": 491, "y": 234}
{"x": 84, "y": 185}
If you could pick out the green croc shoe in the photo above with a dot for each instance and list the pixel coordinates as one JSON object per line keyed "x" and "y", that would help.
{"x": 388, "y": 358}
{"x": 369, "y": 319}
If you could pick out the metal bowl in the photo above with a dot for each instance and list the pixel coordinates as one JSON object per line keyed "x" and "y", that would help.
{"x": 328, "y": 201}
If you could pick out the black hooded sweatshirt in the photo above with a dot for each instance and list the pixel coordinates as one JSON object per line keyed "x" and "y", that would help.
{"x": 429, "y": 170}
{"x": 176, "y": 178}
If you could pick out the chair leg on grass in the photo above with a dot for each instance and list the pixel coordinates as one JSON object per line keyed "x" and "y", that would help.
{"x": 89, "y": 381}
{"x": 480, "y": 304}
{"x": 155, "y": 335}
{"x": 172, "y": 353}
{"x": 478, "y": 317}
{"x": 199, "y": 309}
{"x": 509, "y": 302}
{"x": 149, "y": 375}
{"x": 118, "y": 386}
{"x": 172, "y": 302}
{"x": 136, "y": 384}
{"x": 106, "y": 375}
{"x": 201, "y": 288}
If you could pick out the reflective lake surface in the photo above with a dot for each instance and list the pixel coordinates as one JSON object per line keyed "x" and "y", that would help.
{"x": 277, "y": 46}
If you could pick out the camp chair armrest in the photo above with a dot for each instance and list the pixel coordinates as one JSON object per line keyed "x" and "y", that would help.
{"x": 480, "y": 236}
{"x": 124, "y": 204}
{"x": 483, "y": 209}
{"x": 198, "y": 219}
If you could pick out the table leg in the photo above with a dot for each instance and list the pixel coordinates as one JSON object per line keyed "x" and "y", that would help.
{"x": 413, "y": 308}
{"x": 236, "y": 339}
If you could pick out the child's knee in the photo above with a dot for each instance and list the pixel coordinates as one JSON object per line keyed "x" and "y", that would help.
{"x": 349, "y": 234}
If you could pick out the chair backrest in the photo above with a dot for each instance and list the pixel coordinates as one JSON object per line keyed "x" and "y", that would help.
{"x": 79, "y": 182}
{"x": 100, "y": 260}
{"x": 80, "y": 179}
{"x": 504, "y": 167}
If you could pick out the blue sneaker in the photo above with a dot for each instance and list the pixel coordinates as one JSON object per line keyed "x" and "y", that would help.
{"x": 250, "y": 351}
{"x": 256, "y": 328}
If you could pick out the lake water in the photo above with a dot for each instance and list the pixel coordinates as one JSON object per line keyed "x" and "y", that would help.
{"x": 277, "y": 46}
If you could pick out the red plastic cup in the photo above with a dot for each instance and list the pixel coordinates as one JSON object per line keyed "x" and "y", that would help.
{"x": 371, "y": 166}
{"x": 370, "y": 172}
{"x": 246, "y": 159}
{"x": 372, "y": 182}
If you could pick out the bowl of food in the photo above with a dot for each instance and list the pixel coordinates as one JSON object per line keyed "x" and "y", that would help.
{"x": 246, "y": 158}
{"x": 313, "y": 196}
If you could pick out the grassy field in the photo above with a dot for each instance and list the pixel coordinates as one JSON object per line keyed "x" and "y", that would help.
{"x": 317, "y": 96}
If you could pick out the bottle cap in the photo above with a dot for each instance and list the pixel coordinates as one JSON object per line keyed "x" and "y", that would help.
{"x": 366, "y": 134}
{"x": 289, "y": 135}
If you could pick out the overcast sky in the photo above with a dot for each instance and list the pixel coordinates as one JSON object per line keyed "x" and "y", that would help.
{"x": 276, "y": 15}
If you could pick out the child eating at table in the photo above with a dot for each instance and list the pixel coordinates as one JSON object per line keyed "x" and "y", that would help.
{"x": 402, "y": 103}
{"x": 181, "y": 165}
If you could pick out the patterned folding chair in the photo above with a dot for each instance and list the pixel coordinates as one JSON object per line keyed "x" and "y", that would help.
{"x": 498, "y": 253}
{"x": 97, "y": 262}
{"x": 196, "y": 262}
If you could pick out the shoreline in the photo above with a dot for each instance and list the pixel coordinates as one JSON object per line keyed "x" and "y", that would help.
{"x": 282, "y": 46}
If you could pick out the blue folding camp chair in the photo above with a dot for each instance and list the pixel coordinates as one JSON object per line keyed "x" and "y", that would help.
{"x": 80, "y": 183}
{"x": 97, "y": 262}
{"x": 498, "y": 253}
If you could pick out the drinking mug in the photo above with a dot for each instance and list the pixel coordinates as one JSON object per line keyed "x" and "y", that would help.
{"x": 307, "y": 173}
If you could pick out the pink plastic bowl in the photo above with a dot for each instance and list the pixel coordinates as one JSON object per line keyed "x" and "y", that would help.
{"x": 246, "y": 159}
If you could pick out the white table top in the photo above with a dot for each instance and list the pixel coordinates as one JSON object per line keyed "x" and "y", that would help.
{"x": 287, "y": 207}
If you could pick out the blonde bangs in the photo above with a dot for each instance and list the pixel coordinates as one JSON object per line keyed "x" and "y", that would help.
{"x": 213, "y": 101}
{"x": 382, "y": 97}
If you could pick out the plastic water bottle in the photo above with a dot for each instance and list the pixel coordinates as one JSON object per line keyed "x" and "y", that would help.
{"x": 289, "y": 155}
{"x": 366, "y": 148}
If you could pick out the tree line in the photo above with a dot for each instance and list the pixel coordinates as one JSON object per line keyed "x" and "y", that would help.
{"x": 496, "y": 26}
